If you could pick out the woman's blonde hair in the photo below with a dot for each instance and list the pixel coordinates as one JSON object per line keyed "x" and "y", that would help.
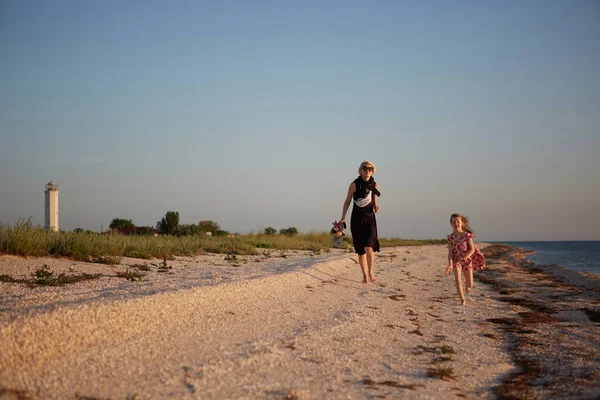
{"x": 465, "y": 221}
{"x": 367, "y": 163}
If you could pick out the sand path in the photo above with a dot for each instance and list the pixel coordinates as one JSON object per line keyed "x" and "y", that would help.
{"x": 313, "y": 333}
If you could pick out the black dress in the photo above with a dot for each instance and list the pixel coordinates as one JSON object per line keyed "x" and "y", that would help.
{"x": 363, "y": 224}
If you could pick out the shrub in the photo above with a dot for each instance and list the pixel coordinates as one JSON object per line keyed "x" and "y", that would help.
{"x": 291, "y": 231}
{"x": 270, "y": 231}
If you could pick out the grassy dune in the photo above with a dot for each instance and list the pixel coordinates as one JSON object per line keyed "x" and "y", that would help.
{"x": 22, "y": 239}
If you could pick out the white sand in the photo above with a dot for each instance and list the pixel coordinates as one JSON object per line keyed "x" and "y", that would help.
{"x": 301, "y": 327}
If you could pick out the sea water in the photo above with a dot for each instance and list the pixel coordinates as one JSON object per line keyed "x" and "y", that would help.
{"x": 581, "y": 256}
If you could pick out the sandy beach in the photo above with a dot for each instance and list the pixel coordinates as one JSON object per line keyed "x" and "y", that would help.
{"x": 295, "y": 325}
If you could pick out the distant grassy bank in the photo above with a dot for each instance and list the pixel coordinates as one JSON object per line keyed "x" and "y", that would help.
{"x": 22, "y": 239}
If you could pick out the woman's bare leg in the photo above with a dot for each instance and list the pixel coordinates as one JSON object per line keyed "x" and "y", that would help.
{"x": 362, "y": 260}
{"x": 370, "y": 262}
{"x": 457, "y": 277}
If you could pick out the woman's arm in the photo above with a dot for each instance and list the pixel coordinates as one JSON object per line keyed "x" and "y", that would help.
{"x": 351, "y": 191}
{"x": 375, "y": 206}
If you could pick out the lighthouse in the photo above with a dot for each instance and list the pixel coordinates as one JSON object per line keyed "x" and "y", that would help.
{"x": 51, "y": 207}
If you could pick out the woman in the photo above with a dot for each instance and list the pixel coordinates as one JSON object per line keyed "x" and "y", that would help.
{"x": 364, "y": 191}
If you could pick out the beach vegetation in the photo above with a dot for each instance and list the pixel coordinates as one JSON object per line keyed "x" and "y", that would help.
{"x": 140, "y": 267}
{"x": 80, "y": 230}
{"x": 447, "y": 350}
{"x": 444, "y": 373}
{"x": 163, "y": 267}
{"x": 131, "y": 275}
{"x": 234, "y": 260}
{"x": 7, "y": 278}
{"x": 44, "y": 276}
{"x": 24, "y": 239}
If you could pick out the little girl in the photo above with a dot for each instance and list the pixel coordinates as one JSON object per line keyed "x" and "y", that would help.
{"x": 462, "y": 254}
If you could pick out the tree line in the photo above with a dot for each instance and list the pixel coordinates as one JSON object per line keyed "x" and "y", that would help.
{"x": 169, "y": 225}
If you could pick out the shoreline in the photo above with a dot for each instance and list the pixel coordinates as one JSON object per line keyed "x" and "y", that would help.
{"x": 299, "y": 327}
{"x": 552, "y": 336}
{"x": 527, "y": 249}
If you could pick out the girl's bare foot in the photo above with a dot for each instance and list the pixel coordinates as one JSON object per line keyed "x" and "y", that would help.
{"x": 469, "y": 290}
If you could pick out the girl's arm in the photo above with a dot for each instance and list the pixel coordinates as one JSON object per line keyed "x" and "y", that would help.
{"x": 471, "y": 248}
{"x": 375, "y": 206}
{"x": 450, "y": 266}
{"x": 351, "y": 191}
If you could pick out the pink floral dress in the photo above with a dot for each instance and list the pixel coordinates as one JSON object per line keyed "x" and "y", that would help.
{"x": 460, "y": 246}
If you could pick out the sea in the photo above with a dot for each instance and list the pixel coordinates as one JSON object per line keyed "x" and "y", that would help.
{"x": 581, "y": 256}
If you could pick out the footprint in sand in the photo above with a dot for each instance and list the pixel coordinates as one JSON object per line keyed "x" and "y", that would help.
{"x": 417, "y": 331}
{"x": 392, "y": 326}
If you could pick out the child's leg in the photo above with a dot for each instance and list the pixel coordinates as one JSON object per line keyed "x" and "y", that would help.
{"x": 458, "y": 279}
{"x": 362, "y": 260}
{"x": 370, "y": 262}
{"x": 469, "y": 279}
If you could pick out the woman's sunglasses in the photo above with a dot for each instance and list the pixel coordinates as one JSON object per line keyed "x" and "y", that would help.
{"x": 365, "y": 168}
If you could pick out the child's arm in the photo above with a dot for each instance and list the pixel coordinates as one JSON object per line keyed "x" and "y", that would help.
{"x": 450, "y": 266}
{"x": 471, "y": 248}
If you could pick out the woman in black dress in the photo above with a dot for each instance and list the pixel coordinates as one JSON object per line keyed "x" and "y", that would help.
{"x": 364, "y": 191}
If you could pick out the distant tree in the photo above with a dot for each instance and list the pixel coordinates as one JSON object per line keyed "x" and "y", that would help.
{"x": 270, "y": 231}
{"x": 291, "y": 231}
{"x": 209, "y": 226}
{"x": 169, "y": 222}
{"x": 120, "y": 223}
{"x": 185, "y": 230}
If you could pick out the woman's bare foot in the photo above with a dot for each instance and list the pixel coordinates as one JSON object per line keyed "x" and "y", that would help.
{"x": 469, "y": 290}
{"x": 373, "y": 278}
{"x": 365, "y": 281}
{"x": 463, "y": 302}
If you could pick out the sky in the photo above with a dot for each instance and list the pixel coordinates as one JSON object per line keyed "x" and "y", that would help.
{"x": 257, "y": 114}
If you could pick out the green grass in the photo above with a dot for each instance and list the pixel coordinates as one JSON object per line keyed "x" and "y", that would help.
{"x": 43, "y": 276}
{"x": 23, "y": 239}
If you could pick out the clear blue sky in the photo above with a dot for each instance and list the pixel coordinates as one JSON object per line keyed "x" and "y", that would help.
{"x": 258, "y": 113}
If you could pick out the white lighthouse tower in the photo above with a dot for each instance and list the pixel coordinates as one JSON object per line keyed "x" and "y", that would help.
{"x": 51, "y": 207}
